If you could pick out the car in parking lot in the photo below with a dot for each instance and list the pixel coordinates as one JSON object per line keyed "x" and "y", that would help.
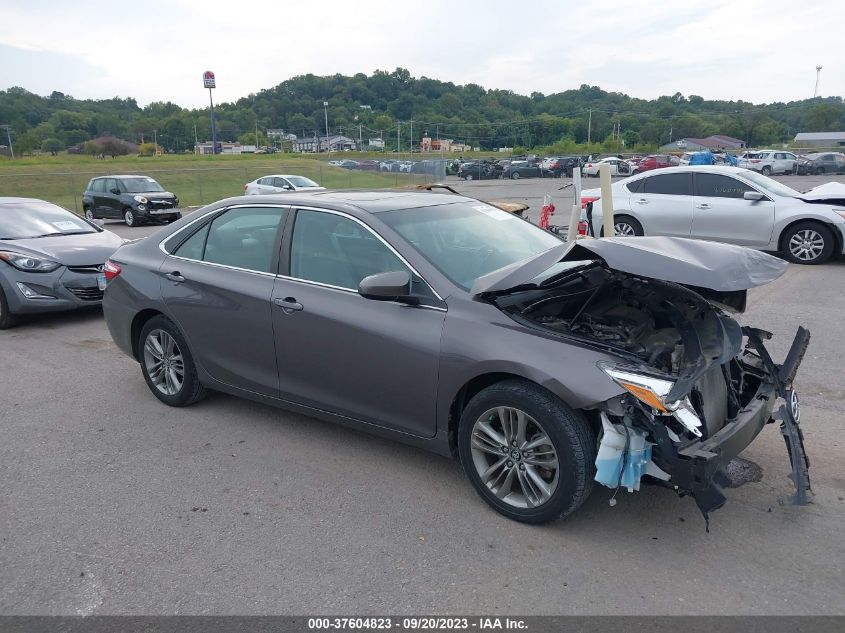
{"x": 558, "y": 166}
{"x": 769, "y": 162}
{"x": 478, "y": 170}
{"x": 655, "y": 161}
{"x": 447, "y": 323}
{"x": 725, "y": 204}
{"x": 50, "y": 259}
{"x": 618, "y": 167}
{"x": 821, "y": 163}
{"x": 517, "y": 169}
{"x": 279, "y": 183}
{"x": 134, "y": 199}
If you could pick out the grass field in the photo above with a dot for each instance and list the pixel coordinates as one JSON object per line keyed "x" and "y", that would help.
{"x": 195, "y": 180}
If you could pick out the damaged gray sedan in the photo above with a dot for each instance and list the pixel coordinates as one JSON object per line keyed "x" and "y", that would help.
{"x": 452, "y": 325}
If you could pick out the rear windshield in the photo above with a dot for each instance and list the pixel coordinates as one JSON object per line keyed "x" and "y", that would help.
{"x": 35, "y": 218}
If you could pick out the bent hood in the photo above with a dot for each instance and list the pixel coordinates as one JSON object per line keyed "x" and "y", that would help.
{"x": 712, "y": 265}
{"x": 831, "y": 192}
{"x": 84, "y": 249}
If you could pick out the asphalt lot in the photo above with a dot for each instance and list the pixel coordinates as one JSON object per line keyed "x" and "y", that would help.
{"x": 113, "y": 503}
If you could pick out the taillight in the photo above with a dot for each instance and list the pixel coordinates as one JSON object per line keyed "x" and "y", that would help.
{"x": 756, "y": 160}
{"x": 587, "y": 200}
{"x": 582, "y": 227}
{"x": 111, "y": 270}
{"x": 589, "y": 164}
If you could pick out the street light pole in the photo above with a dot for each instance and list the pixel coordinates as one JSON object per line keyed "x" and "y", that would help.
{"x": 326, "y": 113}
{"x": 9, "y": 136}
{"x": 818, "y": 72}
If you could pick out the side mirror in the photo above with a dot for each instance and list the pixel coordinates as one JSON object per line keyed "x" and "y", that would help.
{"x": 390, "y": 286}
{"x": 115, "y": 191}
{"x": 754, "y": 196}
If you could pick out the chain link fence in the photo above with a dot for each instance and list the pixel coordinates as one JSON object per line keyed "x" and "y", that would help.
{"x": 203, "y": 185}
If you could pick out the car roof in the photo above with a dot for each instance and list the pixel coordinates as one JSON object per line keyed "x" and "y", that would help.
{"x": 121, "y": 176}
{"x": 715, "y": 169}
{"x": 281, "y": 176}
{"x": 369, "y": 201}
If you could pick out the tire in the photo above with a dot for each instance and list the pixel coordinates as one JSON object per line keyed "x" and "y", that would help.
{"x": 89, "y": 214}
{"x": 807, "y": 243}
{"x": 819, "y": 171}
{"x": 634, "y": 226}
{"x": 515, "y": 175}
{"x": 571, "y": 444}
{"x": 468, "y": 177}
{"x": 766, "y": 171}
{"x": 7, "y": 319}
{"x": 152, "y": 348}
{"x": 129, "y": 217}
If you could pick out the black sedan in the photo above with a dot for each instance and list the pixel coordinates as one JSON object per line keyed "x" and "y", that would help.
{"x": 50, "y": 259}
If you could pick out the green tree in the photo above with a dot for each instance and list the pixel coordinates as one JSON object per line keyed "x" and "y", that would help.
{"x": 52, "y": 145}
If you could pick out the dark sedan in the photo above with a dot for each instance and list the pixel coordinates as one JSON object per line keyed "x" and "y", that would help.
{"x": 821, "y": 163}
{"x": 447, "y": 323}
{"x": 50, "y": 259}
{"x": 517, "y": 169}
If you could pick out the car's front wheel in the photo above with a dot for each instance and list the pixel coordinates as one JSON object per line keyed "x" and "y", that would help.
{"x": 129, "y": 217}
{"x": 526, "y": 453}
{"x": 7, "y": 319}
{"x": 167, "y": 363}
{"x": 808, "y": 243}
{"x": 515, "y": 175}
{"x": 89, "y": 214}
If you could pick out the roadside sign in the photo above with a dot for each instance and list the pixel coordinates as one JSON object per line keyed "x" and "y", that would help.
{"x": 208, "y": 79}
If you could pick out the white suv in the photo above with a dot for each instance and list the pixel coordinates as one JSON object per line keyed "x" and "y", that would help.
{"x": 769, "y": 161}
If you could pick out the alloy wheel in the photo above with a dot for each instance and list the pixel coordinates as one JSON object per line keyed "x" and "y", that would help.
{"x": 163, "y": 362}
{"x": 129, "y": 218}
{"x": 89, "y": 214}
{"x": 623, "y": 229}
{"x": 514, "y": 457}
{"x": 806, "y": 245}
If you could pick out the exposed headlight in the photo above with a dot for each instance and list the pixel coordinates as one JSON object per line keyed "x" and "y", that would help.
{"x": 141, "y": 199}
{"x": 27, "y": 263}
{"x": 652, "y": 392}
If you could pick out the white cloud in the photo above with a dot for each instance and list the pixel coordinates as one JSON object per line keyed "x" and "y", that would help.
{"x": 756, "y": 50}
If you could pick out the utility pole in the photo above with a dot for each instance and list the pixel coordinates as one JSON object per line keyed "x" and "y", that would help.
{"x": 398, "y": 138}
{"x": 360, "y": 139}
{"x": 256, "y": 134}
{"x": 9, "y": 137}
{"x": 589, "y": 127}
{"x": 818, "y": 72}
{"x": 196, "y": 140}
{"x": 412, "y": 136}
{"x": 155, "y": 140}
{"x": 326, "y": 113}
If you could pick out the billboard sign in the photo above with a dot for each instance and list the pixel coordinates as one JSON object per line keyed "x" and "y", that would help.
{"x": 208, "y": 79}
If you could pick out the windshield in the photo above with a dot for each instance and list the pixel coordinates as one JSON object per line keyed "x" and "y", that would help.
{"x": 34, "y": 218}
{"x": 299, "y": 181}
{"x": 468, "y": 240}
{"x": 141, "y": 185}
{"x": 769, "y": 184}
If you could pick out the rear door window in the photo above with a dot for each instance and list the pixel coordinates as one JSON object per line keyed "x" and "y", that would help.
{"x": 719, "y": 186}
{"x": 636, "y": 186}
{"x": 669, "y": 184}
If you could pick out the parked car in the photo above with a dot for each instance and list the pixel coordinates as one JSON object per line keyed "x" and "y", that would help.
{"x": 558, "y": 166}
{"x": 726, "y": 204}
{"x": 517, "y": 169}
{"x": 349, "y": 164}
{"x": 50, "y": 259}
{"x": 452, "y": 325}
{"x": 821, "y": 163}
{"x": 654, "y": 161}
{"x": 769, "y": 162}
{"x": 477, "y": 170}
{"x": 279, "y": 183}
{"x": 134, "y": 199}
{"x": 618, "y": 167}
{"x": 368, "y": 165}
{"x": 389, "y": 165}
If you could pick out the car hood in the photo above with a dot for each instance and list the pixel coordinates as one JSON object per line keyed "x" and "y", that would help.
{"x": 830, "y": 192}
{"x": 70, "y": 250}
{"x": 155, "y": 195}
{"x": 712, "y": 265}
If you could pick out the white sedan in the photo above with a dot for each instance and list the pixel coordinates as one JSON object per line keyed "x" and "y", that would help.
{"x": 618, "y": 167}
{"x": 279, "y": 183}
{"x": 726, "y": 204}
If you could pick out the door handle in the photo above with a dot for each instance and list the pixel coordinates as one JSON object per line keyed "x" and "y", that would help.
{"x": 289, "y": 305}
{"x": 703, "y": 205}
{"x": 641, "y": 201}
{"x": 175, "y": 277}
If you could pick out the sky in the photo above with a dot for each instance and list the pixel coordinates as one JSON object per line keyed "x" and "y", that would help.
{"x": 157, "y": 50}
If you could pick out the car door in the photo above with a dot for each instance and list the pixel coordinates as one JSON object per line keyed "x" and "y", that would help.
{"x": 375, "y": 361}
{"x": 98, "y": 197}
{"x": 664, "y": 204}
{"x": 722, "y": 214}
{"x": 217, "y": 286}
{"x": 112, "y": 207}
{"x": 281, "y": 184}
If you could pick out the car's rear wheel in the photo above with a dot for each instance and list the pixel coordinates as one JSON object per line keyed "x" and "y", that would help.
{"x": 808, "y": 243}
{"x": 625, "y": 226}
{"x": 167, "y": 363}
{"x": 7, "y": 319}
{"x": 515, "y": 175}
{"x": 767, "y": 171}
{"x": 527, "y": 454}
{"x": 129, "y": 217}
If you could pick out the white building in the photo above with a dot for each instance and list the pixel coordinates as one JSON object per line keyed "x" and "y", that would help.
{"x": 820, "y": 139}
